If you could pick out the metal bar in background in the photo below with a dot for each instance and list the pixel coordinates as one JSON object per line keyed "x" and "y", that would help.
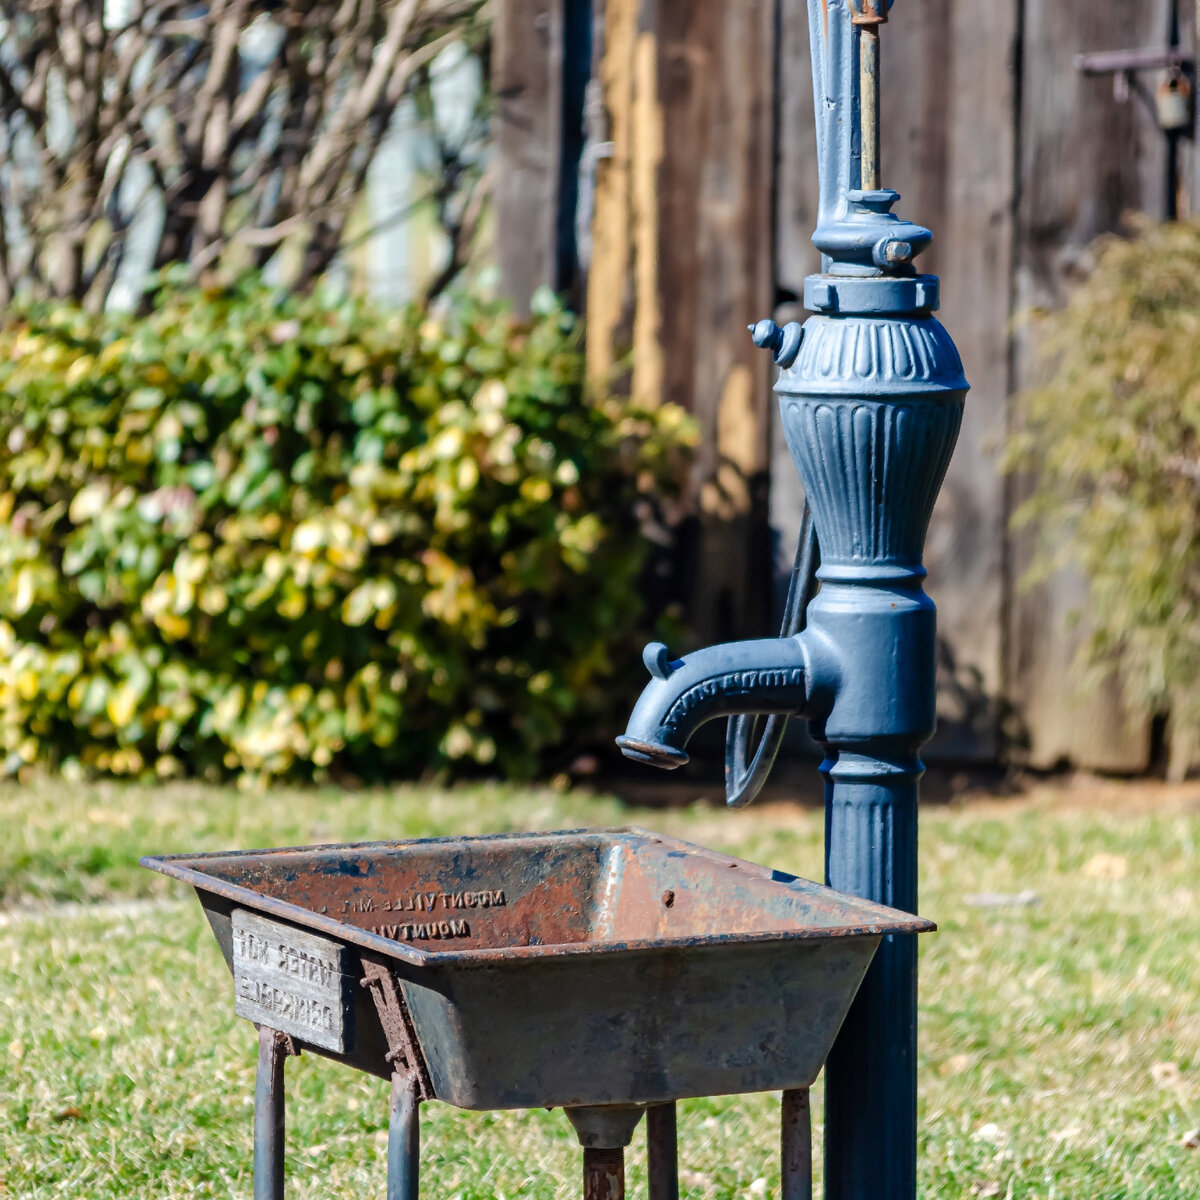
{"x": 869, "y": 64}
{"x": 1106, "y": 62}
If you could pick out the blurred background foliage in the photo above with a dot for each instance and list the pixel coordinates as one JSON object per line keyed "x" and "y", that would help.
{"x": 298, "y": 534}
{"x": 1114, "y": 438}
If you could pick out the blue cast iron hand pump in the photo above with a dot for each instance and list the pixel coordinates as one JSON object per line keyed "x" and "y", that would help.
{"x": 871, "y": 393}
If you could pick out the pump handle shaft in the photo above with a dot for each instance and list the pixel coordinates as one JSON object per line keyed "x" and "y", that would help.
{"x": 745, "y": 776}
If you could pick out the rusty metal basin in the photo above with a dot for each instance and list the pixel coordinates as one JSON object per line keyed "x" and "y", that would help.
{"x": 590, "y": 967}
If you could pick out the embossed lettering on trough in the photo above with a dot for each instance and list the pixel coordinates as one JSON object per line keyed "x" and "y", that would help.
{"x": 292, "y": 981}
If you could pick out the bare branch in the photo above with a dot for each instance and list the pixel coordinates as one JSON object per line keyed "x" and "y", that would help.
{"x": 247, "y": 141}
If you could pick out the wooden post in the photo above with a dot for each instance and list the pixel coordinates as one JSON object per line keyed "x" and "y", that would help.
{"x": 527, "y": 80}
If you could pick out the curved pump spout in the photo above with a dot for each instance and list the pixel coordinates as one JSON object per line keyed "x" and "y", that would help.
{"x": 767, "y": 676}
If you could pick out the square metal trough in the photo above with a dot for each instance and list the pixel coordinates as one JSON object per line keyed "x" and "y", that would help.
{"x": 581, "y": 968}
{"x": 609, "y": 972}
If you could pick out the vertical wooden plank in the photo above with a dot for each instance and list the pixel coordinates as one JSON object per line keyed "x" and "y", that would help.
{"x": 1085, "y": 160}
{"x": 649, "y": 348}
{"x": 796, "y": 155}
{"x": 795, "y": 255}
{"x": 682, "y": 260}
{"x": 625, "y": 346}
{"x": 611, "y": 298}
{"x": 716, "y": 277}
{"x": 527, "y": 79}
{"x": 948, "y": 134}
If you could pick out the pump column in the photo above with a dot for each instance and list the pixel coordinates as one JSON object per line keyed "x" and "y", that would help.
{"x": 871, "y": 1073}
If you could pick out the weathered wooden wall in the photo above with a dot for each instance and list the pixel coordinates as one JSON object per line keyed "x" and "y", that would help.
{"x": 702, "y": 218}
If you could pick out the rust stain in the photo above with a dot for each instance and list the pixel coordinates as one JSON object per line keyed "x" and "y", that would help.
{"x": 868, "y": 12}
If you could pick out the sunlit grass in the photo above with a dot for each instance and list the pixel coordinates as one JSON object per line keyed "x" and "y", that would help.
{"x": 1060, "y": 1042}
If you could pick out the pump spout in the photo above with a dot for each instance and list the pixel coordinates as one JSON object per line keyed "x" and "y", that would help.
{"x": 767, "y": 676}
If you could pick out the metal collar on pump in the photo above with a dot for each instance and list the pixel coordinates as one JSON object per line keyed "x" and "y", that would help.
{"x": 867, "y": 250}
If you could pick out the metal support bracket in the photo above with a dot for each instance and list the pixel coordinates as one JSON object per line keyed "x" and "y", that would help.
{"x": 286, "y": 1044}
{"x": 410, "y": 1081}
{"x": 1106, "y": 62}
{"x": 1124, "y": 66}
{"x": 404, "y": 1050}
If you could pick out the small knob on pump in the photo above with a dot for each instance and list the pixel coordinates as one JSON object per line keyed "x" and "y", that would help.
{"x": 657, "y": 658}
{"x": 783, "y": 343}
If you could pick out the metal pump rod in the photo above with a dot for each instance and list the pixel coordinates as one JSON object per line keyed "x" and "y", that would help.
{"x": 868, "y": 20}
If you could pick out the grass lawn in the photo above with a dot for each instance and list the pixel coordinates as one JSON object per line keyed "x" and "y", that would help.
{"x": 1060, "y": 1041}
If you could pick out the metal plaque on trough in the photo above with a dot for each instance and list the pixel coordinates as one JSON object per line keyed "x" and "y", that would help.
{"x": 292, "y": 981}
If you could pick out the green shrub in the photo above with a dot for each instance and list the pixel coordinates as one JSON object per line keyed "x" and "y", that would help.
{"x": 1115, "y": 437}
{"x": 279, "y": 536}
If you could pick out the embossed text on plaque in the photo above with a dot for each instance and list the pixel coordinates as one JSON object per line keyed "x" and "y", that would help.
{"x": 292, "y": 981}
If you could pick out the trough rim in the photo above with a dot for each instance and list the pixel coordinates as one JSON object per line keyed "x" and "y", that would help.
{"x": 878, "y": 921}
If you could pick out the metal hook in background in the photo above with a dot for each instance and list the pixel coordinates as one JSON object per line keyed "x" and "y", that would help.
{"x": 744, "y": 775}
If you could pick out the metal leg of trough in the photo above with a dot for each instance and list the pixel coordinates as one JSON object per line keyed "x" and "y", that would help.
{"x": 273, "y": 1049}
{"x": 404, "y": 1138}
{"x": 662, "y": 1144}
{"x": 410, "y": 1081}
{"x": 796, "y": 1145}
{"x": 604, "y": 1174}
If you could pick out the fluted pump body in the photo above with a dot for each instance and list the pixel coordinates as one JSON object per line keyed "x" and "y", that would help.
{"x": 871, "y": 409}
